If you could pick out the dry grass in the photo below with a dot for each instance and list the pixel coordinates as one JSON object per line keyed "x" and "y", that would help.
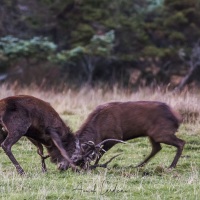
{"x": 83, "y": 101}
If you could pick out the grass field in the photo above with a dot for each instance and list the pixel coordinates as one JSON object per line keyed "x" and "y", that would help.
{"x": 121, "y": 180}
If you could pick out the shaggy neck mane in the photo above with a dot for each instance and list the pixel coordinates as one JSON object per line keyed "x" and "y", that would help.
{"x": 87, "y": 131}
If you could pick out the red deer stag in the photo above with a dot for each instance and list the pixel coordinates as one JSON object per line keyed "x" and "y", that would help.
{"x": 125, "y": 121}
{"x": 31, "y": 117}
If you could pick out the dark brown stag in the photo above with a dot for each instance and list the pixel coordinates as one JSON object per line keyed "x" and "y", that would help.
{"x": 125, "y": 121}
{"x": 41, "y": 124}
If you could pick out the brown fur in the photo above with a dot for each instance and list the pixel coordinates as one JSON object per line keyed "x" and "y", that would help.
{"x": 129, "y": 120}
{"x": 37, "y": 120}
{"x": 31, "y": 117}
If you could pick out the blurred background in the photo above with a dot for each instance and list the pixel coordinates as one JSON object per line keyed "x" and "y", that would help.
{"x": 76, "y": 43}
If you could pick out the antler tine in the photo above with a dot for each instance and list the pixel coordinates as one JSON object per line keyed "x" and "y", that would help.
{"x": 104, "y": 165}
{"x": 107, "y": 140}
{"x": 89, "y": 143}
{"x": 97, "y": 151}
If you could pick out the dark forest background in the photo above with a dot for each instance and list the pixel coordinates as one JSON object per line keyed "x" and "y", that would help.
{"x": 130, "y": 43}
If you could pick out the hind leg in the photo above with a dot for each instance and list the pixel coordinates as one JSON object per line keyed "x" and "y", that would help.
{"x": 156, "y": 147}
{"x": 179, "y": 144}
{"x": 10, "y": 140}
{"x": 16, "y": 125}
{"x": 176, "y": 142}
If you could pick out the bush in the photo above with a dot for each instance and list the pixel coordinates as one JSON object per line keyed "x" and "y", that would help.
{"x": 15, "y": 48}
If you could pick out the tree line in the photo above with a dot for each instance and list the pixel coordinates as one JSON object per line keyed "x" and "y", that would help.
{"x": 125, "y": 42}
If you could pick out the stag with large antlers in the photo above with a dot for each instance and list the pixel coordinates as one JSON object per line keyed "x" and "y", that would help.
{"x": 41, "y": 124}
{"x": 31, "y": 117}
{"x": 125, "y": 121}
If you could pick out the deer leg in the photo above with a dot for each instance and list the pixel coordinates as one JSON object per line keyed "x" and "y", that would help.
{"x": 156, "y": 147}
{"x": 44, "y": 168}
{"x": 179, "y": 144}
{"x": 57, "y": 141}
{"x": 40, "y": 152}
{"x": 7, "y": 145}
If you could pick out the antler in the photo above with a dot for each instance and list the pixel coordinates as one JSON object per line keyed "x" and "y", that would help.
{"x": 107, "y": 140}
{"x": 104, "y": 165}
{"x": 96, "y": 149}
{"x": 90, "y": 143}
{"x": 95, "y": 152}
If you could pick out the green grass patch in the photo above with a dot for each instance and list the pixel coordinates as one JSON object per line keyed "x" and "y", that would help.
{"x": 121, "y": 181}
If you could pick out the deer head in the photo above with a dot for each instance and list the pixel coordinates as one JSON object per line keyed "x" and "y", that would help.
{"x": 86, "y": 152}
